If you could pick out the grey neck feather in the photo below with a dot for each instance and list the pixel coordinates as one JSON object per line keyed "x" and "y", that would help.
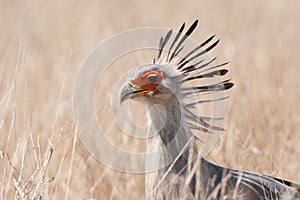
{"x": 169, "y": 135}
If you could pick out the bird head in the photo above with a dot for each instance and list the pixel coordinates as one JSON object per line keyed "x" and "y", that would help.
{"x": 168, "y": 80}
{"x": 152, "y": 83}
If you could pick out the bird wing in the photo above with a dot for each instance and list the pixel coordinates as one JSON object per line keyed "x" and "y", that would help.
{"x": 244, "y": 184}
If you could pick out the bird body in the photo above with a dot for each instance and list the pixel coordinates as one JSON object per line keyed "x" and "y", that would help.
{"x": 182, "y": 173}
{"x": 243, "y": 184}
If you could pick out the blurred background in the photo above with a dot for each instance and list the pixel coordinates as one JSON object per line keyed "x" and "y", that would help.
{"x": 43, "y": 44}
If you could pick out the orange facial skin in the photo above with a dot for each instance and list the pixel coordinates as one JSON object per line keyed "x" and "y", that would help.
{"x": 148, "y": 81}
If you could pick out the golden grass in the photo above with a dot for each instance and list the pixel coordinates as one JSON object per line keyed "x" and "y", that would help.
{"x": 43, "y": 44}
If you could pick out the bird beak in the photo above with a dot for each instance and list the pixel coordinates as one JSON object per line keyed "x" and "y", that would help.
{"x": 129, "y": 91}
{"x": 126, "y": 92}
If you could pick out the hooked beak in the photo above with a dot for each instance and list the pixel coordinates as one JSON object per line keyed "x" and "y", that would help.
{"x": 129, "y": 91}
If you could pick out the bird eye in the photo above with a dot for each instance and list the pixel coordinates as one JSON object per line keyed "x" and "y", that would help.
{"x": 152, "y": 78}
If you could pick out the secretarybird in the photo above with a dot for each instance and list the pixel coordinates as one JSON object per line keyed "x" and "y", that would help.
{"x": 161, "y": 85}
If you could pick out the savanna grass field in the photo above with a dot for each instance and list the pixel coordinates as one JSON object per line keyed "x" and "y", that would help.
{"x": 44, "y": 43}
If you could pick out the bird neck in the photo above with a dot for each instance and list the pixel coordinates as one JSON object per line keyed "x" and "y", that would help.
{"x": 169, "y": 137}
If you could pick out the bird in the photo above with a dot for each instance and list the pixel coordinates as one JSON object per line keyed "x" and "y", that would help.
{"x": 165, "y": 86}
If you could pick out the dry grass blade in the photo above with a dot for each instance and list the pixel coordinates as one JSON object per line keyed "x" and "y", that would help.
{"x": 33, "y": 188}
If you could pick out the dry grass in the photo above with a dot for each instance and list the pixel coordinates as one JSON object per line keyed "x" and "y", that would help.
{"x": 42, "y": 45}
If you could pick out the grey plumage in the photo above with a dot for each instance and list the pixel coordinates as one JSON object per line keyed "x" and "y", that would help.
{"x": 171, "y": 119}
